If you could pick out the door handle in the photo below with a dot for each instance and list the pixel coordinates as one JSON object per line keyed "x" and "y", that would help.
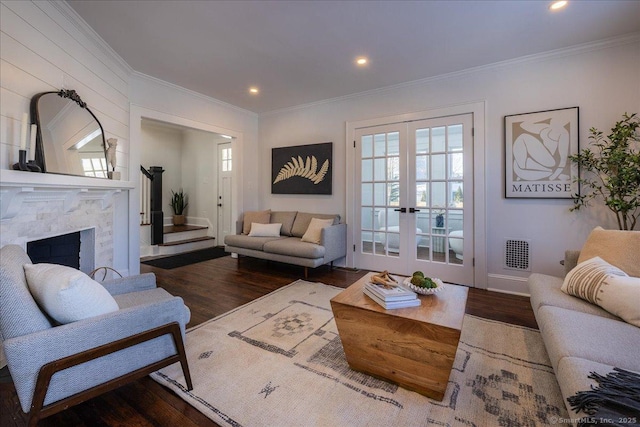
{"x": 413, "y": 210}
{"x": 402, "y": 210}
{"x": 219, "y": 205}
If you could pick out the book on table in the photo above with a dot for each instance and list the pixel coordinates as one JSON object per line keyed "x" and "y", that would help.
{"x": 412, "y": 302}
{"x": 391, "y": 292}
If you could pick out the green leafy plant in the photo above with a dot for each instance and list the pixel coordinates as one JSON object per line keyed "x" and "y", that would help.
{"x": 178, "y": 202}
{"x": 611, "y": 171}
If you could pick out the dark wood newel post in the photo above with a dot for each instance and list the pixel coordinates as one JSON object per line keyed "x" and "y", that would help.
{"x": 157, "y": 217}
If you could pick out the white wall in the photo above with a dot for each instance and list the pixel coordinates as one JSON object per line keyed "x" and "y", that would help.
{"x": 161, "y": 146}
{"x": 199, "y": 177}
{"x": 602, "y": 79}
{"x": 44, "y": 48}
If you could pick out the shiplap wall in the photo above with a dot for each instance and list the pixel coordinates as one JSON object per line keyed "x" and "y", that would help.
{"x": 44, "y": 47}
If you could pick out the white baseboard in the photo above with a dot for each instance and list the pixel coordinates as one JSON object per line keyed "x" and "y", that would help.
{"x": 508, "y": 284}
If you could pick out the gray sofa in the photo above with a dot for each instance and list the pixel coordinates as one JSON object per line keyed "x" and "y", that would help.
{"x": 288, "y": 247}
{"x": 580, "y": 337}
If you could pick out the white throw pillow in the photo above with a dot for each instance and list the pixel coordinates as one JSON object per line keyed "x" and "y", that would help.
{"x": 605, "y": 285}
{"x": 587, "y": 279}
{"x": 67, "y": 294}
{"x": 314, "y": 231}
{"x": 621, "y": 296}
{"x": 265, "y": 230}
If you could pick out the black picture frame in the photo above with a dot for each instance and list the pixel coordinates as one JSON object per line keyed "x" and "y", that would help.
{"x": 302, "y": 169}
{"x": 537, "y": 150}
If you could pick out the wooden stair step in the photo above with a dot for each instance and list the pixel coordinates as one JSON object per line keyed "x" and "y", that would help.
{"x": 181, "y": 242}
{"x": 168, "y": 229}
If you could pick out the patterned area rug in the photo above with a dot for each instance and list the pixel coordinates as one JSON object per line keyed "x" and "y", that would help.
{"x": 278, "y": 361}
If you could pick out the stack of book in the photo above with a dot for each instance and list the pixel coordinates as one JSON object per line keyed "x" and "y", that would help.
{"x": 391, "y": 296}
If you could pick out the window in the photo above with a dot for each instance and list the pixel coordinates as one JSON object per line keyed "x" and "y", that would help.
{"x": 226, "y": 160}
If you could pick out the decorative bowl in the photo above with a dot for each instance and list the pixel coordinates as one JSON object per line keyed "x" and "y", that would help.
{"x": 424, "y": 291}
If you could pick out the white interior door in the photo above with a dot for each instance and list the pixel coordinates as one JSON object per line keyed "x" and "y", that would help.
{"x": 415, "y": 195}
{"x": 224, "y": 202}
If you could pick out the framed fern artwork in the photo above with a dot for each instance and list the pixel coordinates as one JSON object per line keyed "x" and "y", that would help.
{"x": 302, "y": 169}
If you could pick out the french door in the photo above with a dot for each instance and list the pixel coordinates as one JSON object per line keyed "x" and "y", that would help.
{"x": 415, "y": 198}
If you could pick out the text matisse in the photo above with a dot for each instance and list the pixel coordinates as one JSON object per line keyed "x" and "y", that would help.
{"x": 541, "y": 188}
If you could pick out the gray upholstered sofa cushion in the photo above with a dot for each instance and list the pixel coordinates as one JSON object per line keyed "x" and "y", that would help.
{"x": 248, "y": 242}
{"x": 545, "y": 290}
{"x": 570, "y": 333}
{"x": 293, "y": 246}
{"x": 284, "y": 218}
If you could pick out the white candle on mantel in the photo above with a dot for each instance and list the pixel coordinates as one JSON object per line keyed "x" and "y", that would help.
{"x": 23, "y": 132}
{"x": 32, "y": 146}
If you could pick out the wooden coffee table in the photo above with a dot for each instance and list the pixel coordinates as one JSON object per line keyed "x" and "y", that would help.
{"x": 413, "y": 347}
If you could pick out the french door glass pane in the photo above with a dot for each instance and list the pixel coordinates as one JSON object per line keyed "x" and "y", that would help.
{"x": 367, "y": 146}
{"x": 393, "y": 144}
{"x": 438, "y": 194}
{"x": 367, "y": 194}
{"x": 438, "y": 139}
{"x": 454, "y": 133}
{"x": 367, "y": 170}
{"x": 438, "y": 166}
{"x": 380, "y": 145}
{"x": 422, "y": 141}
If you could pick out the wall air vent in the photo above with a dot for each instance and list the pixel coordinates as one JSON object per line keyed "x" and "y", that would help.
{"x": 517, "y": 255}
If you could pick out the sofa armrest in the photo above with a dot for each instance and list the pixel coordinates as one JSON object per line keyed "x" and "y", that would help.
{"x": 125, "y": 285}
{"x": 28, "y": 353}
{"x": 334, "y": 240}
{"x": 570, "y": 260}
{"x": 239, "y": 227}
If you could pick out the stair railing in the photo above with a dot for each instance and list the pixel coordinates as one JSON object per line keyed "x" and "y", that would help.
{"x": 154, "y": 200}
{"x": 145, "y": 196}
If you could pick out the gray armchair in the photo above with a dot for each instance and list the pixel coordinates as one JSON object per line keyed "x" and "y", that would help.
{"x": 57, "y": 366}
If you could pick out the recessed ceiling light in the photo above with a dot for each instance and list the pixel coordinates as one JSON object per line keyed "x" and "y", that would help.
{"x": 254, "y": 90}
{"x": 362, "y": 61}
{"x": 558, "y": 5}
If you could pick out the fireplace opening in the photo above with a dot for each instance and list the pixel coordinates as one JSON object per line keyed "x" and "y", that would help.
{"x": 63, "y": 250}
{"x": 75, "y": 249}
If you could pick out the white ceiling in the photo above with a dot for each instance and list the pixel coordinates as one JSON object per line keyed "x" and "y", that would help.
{"x": 299, "y": 52}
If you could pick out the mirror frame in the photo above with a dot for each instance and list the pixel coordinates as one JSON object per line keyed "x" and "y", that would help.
{"x": 73, "y": 96}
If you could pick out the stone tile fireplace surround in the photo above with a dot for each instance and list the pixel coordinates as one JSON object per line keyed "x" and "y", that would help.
{"x": 34, "y": 206}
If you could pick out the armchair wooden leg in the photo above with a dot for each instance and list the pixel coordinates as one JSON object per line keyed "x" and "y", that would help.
{"x": 183, "y": 360}
{"x": 306, "y": 273}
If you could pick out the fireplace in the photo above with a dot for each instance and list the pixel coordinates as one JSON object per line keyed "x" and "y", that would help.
{"x": 75, "y": 249}
{"x": 40, "y": 206}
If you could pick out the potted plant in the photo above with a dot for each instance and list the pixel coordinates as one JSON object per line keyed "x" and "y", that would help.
{"x": 178, "y": 204}
{"x": 611, "y": 171}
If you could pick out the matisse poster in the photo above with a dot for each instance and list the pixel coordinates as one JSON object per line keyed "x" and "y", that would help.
{"x": 537, "y": 150}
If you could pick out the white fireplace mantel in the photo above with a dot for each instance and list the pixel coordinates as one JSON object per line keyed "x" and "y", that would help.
{"x": 19, "y": 187}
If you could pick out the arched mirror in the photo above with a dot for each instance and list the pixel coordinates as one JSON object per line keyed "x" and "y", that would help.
{"x": 70, "y": 139}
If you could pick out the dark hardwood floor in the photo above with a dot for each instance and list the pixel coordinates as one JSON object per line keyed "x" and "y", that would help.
{"x": 211, "y": 288}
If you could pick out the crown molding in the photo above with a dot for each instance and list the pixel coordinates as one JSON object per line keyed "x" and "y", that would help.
{"x": 72, "y": 16}
{"x": 192, "y": 93}
{"x": 537, "y": 57}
